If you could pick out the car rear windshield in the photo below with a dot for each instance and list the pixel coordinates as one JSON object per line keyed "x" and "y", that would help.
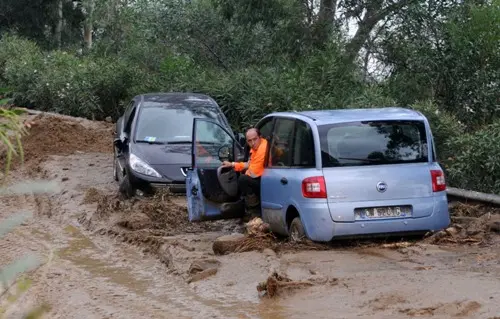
{"x": 167, "y": 123}
{"x": 373, "y": 143}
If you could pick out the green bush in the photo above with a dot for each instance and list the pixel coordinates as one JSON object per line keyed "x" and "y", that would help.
{"x": 21, "y": 63}
{"x": 475, "y": 164}
{"x": 58, "y": 81}
{"x": 64, "y": 87}
{"x": 317, "y": 81}
{"x": 444, "y": 126}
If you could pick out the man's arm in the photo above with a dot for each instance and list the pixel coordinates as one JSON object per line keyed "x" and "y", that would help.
{"x": 238, "y": 166}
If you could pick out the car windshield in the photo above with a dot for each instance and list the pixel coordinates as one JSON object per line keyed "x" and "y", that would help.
{"x": 373, "y": 143}
{"x": 172, "y": 124}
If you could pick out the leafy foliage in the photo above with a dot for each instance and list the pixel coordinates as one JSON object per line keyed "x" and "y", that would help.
{"x": 475, "y": 163}
{"x": 453, "y": 60}
{"x": 11, "y": 130}
{"x": 444, "y": 125}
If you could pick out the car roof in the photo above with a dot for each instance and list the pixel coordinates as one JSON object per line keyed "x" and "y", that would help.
{"x": 173, "y": 98}
{"x": 321, "y": 117}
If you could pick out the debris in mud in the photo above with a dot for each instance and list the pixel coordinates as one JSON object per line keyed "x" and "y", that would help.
{"x": 257, "y": 226}
{"x": 202, "y": 265}
{"x": 386, "y": 301}
{"x": 470, "y": 224}
{"x": 259, "y": 238}
{"x": 136, "y": 221}
{"x": 147, "y": 222}
{"x": 276, "y": 284}
{"x": 202, "y": 269}
{"x": 238, "y": 243}
{"x": 455, "y": 309}
{"x": 92, "y": 195}
{"x": 202, "y": 275}
{"x": 165, "y": 255}
{"x": 158, "y": 212}
{"x": 404, "y": 244}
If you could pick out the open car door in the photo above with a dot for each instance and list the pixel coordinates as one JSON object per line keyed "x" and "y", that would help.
{"x": 208, "y": 185}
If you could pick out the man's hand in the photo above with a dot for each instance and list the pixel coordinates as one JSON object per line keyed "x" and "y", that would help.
{"x": 227, "y": 164}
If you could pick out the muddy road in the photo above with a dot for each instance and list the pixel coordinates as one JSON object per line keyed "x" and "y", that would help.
{"x": 103, "y": 257}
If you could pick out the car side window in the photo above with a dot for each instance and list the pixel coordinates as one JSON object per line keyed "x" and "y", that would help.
{"x": 266, "y": 129}
{"x": 210, "y": 137}
{"x": 303, "y": 146}
{"x": 129, "y": 107}
{"x": 280, "y": 154}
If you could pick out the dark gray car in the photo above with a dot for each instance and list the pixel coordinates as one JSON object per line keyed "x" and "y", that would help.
{"x": 153, "y": 140}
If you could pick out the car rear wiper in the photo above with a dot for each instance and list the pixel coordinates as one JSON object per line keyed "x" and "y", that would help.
{"x": 362, "y": 159}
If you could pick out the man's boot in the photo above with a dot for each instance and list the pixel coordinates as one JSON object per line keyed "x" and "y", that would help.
{"x": 232, "y": 209}
{"x": 252, "y": 205}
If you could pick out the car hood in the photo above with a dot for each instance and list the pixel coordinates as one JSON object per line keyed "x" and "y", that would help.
{"x": 155, "y": 154}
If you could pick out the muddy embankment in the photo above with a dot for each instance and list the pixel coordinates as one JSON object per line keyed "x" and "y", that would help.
{"x": 158, "y": 264}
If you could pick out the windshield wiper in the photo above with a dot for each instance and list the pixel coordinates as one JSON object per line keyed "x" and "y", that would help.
{"x": 179, "y": 142}
{"x": 150, "y": 142}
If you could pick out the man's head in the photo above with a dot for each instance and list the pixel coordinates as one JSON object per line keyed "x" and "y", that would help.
{"x": 253, "y": 138}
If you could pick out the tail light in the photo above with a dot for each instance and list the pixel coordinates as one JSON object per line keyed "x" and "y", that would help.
{"x": 314, "y": 187}
{"x": 438, "y": 181}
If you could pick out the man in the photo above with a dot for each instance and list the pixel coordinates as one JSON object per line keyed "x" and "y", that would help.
{"x": 249, "y": 183}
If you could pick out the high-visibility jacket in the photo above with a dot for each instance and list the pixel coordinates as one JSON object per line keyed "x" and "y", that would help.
{"x": 255, "y": 165}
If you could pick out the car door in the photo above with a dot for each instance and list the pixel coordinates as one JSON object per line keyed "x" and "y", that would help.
{"x": 211, "y": 143}
{"x": 274, "y": 186}
{"x": 291, "y": 160}
{"x": 124, "y": 139}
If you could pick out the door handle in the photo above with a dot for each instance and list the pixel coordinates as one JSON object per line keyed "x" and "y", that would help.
{"x": 284, "y": 181}
{"x": 194, "y": 191}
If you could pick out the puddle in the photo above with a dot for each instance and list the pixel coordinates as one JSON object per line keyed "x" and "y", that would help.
{"x": 79, "y": 251}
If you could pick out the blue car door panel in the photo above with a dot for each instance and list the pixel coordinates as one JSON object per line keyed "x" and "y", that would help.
{"x": 204, "y": 193}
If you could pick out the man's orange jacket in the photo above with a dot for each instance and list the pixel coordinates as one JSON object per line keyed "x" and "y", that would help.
{"x": 255, "y": 165}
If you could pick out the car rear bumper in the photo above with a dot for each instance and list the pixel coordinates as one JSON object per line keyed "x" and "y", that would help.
{"x": 320, "y": 227}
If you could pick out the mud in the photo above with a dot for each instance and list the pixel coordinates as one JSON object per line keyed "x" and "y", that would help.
{"x": 60, "y": 135}
{"x": 104, "y": 257}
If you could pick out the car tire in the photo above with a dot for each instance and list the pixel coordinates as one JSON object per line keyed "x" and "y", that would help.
{"x": 297, "y": 232}
{"x": 126, "y": 188}
{"x": 115, "y": 170}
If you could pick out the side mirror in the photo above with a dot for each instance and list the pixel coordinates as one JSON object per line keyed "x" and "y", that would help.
{"x": 121, "y": 141}
{"x": 224, "y": 153}
{"x": 118, "y": 143}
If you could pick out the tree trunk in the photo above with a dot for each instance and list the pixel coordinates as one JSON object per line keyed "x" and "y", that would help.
{"x": 374, "y": 14}
{"x": 326, "y": 19}
{"x": 58, "y": 30}
{"x": 88, "y": 24}
{"x": 365, "y": 26}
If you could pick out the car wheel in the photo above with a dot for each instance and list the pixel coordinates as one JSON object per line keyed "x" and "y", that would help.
{"x": 297, "y": 232}
{"x": 126, "y": 188}
{"x": 115, "y": 170}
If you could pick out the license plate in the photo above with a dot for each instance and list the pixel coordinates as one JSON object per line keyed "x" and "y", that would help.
{"x": 383, "y": 212}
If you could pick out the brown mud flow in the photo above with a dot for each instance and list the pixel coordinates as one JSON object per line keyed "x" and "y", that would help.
{"x": 142, "y": 258}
